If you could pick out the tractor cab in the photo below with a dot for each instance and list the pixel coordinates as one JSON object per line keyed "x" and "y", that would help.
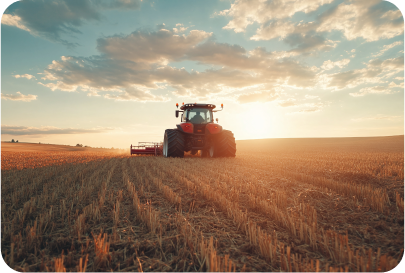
{"x": 197, "y": 113}
{"x": 197, "y": 119}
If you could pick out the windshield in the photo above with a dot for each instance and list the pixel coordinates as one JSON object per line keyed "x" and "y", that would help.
{"x": 199, "y": 115}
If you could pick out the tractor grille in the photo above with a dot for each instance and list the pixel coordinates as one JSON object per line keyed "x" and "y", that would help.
{"x": 199, "y": 128}
{"x": 198, "y": 141}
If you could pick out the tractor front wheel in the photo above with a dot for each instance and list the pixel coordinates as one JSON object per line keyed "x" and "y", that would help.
{"x": 173, "y": 143}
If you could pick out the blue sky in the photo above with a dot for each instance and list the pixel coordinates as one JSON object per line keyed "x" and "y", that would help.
{"x": 109, "y": 73}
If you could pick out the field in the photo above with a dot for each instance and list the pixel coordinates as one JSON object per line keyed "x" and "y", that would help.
{"x": 29, "y": 155}
{"x": 281, "y": 205}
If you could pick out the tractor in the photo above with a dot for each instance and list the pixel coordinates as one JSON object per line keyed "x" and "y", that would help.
{"x": 198, "y": 134}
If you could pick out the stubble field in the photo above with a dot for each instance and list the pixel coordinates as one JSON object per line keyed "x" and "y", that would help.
{"x": 280, "y": 205}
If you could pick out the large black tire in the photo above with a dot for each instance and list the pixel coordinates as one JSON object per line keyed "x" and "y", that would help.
{"x": 173, "y": 143}
{"x": 225, "y": 145}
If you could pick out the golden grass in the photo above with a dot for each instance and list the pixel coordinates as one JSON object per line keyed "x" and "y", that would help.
{"x": 24, "y": 160}
{"x": 399, "y": 202}
{"x": 276, "y": 209}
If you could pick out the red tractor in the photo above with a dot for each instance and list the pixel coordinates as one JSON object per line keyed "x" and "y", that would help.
{"x": 197, "y": 133}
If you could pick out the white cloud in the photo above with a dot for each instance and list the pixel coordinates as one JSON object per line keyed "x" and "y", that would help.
{"x": 304, "y": 108}
{"x": 275, "y": 29}
{"x": 377, "y": 117}
{"x": 393, "y": 85}
{"x": 13, "y": 20}
{"x": 308, "y": 110}
{"x": 142, "y": 58}
{"x": 47, "y": 130}
{"x": 27, "y": 76}
{"x": 347, "y": 79}
{"x": 328, "y": 65}
{"x": 309, "y": 97}
{"x": 246, "y": 12}
{"x": 389, "y": 67}
{"x": 372, "y": 90}
{"x": 60, "y": 86}
{"x": 301, "y": 36}
{"x": 50, "y": 19}
{"x": 387, "y": 47}
{"x": 376, "y": 71}
{"x": 369, "y": 20}
{"x": 309, "y": 42}
{"x": 136, "y": 94}
{"x": 18, "y": 97}
{"x": 365, "y": 19}
{"x": 258, "y": 96}
{"x": 151, "y": 47}
{"x": 288, "y": 102}
{"x": 179, "y": 28}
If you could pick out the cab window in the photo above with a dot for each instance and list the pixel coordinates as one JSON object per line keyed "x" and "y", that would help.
{"x": 199, "y": 115}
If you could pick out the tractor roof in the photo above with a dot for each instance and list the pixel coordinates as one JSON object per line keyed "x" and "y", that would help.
{"x": 201, "y": 105}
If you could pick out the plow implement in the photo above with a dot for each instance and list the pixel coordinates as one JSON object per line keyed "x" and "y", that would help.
{"x": 147, "y": 148}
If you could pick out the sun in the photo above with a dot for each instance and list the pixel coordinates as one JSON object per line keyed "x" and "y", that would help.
{"x": 254, "y": 122}
{"x": 259, "y": 125}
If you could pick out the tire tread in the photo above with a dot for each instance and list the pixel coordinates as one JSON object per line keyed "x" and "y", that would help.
{"x": 226, "y": 145}
{"x": 176, "y": 143}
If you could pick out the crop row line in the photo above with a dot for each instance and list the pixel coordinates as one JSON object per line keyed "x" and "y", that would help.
{"x": 339, "y": 243}
{"x": 205, "y": 250}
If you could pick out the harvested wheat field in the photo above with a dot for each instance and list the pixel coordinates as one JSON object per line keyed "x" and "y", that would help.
{"x": 30, "y": 155}
{"x": 281, "y": 205}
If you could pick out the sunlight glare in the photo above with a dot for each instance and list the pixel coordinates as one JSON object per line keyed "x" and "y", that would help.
{"x": 255, "y": 122}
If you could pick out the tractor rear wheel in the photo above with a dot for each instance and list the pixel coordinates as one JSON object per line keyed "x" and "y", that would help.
{"x": 173, "y": 143}
{"x": 225, "y": 145}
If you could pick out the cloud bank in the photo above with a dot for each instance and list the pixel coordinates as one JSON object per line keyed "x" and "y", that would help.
{"x": 52, "y": 18}
{"x": 376, "y": 71}
{"x": 18, "y": 97}
{"x": 370, "y": 20}
{"x": 372, "y": 90}
{"x": 377, "y": 117}
{"x": 137, "y": 65}
{"x": 47, "y": 130}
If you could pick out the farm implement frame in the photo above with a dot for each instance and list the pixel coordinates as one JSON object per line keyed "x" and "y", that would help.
{"x": 147, "y": 148}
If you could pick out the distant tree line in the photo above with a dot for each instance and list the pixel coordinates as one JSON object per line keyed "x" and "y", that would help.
{"x": 77, "y": 145}
{"x": 81, "y": 145}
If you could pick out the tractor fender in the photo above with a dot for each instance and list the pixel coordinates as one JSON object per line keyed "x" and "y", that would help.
{"x": 186, "y": 127}
{"x": 213, "y": 129}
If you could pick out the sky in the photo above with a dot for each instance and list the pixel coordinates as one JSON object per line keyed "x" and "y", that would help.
{"x": 109, "y": 73}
